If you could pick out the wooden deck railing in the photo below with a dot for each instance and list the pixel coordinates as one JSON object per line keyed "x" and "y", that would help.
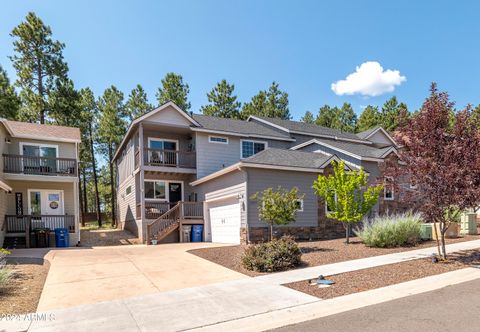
{"x": 39, "y": 165}
{"x": 181, "y": 210}
{"x": 23, "y": 223}
{"x": 169, "y": 158}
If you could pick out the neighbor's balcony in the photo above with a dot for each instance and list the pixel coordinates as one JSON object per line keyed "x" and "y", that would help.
{"x": 167, "y": 158}
{"x": 18, "y": 164}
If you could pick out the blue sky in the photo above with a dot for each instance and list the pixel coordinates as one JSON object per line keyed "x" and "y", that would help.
{"x": 304, "y": 45}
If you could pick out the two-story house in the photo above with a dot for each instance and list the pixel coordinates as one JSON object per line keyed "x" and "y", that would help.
{"x": 38, "y": 181}
{"x": 177, "y": 168}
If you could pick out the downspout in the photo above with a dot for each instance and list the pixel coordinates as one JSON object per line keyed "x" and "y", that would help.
{"x": 247, "y": 231}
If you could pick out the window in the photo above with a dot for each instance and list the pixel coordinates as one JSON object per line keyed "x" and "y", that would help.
{"x": 155, "y": 190}
{"x": 218, "y": 139}
{"x": 47, "y": 164}
{"x": 328, "y": 209}
{"x": 388, "y": 189}
{"x": 128, "y": 191}
{"x": 249, "y": 148}
{"x": 299, "y": 203}
{"x": 162, "y": 144}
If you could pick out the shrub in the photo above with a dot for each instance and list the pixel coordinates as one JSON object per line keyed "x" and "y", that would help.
{"x": 391, "y": 231}
{"x": 5, "y": 272}
{"x": 276, "y": 255}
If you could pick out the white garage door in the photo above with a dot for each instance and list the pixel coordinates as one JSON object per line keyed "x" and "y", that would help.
{"x": 225, "y": 223}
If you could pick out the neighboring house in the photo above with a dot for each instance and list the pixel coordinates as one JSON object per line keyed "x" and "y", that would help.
{"x": 38, "y": 181}
{"x": 178, "y": 168}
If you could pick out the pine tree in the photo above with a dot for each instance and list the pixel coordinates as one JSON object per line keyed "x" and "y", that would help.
{"x": 272, "y": 103}
{"x": 346, "y": 119}
{"x": 308, "y": 118}
{"x": 222, "y": 102}
{"x": 111, "y": 129}
{"x": 175, "y": 90}
{"x": 369, "y": 118}
{"x": 326, "y": 116}
{"x": 137, "y": 103}
{"x": 9, "y": 100}
{"x": 393, "y": 114}
{"x": 39, "y": 63}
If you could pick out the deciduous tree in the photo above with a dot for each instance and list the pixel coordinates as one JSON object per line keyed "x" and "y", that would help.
{"x": 223, "y": 103}
{"x": 39, "y": 63}
{"x": 347, "y": 194}
{"x": 277, "y": 207}
{"x": 174, "y": 89}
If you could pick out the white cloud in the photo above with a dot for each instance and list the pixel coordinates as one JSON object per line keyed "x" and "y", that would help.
{"x": 369, "y": 79}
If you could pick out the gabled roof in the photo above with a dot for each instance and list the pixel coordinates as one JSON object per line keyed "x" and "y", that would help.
{"x": 240, "y": 127}
{"x": 42, "y": 131}
{"x": 289, "y": 158}
{"x": 297, "y": 127}
{"x": 358, "y": 151}
{"x": 370, "y": 132}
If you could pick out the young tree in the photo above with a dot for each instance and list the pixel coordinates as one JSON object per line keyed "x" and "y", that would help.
{"x": 222, "y": 102}
{"x": 308, "y": 118}
{"x": 89, "y": 116}
{"x": 9, "y": 100}
{"x": 272, "y": 104}
{"x": 111, "y": 128}
{"x": 137, "y": 103}
{"x": 277, "y": 207}
{"x": 174, "y": 89}
{"x": 347, "y": 194}
{"x": 442, "y": 157}
{"x": 370, "y": 118}
{"x": 39, "y": 63}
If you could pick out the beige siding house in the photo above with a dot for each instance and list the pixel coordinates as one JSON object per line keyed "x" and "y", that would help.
{"x": 38, "y": 181}
{"x": 177, "y": 169}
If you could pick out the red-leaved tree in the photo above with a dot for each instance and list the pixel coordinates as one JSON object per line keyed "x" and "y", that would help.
{"x": 440, "y": 154}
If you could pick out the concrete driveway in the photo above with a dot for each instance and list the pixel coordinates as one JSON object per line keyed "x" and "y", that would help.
{"x": 89, "y": 275}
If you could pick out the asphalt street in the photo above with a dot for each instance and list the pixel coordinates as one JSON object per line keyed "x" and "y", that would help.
{"x": 454, "y": 308}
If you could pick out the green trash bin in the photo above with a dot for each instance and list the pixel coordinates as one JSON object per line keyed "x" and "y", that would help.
{"x": 426, "y": 231}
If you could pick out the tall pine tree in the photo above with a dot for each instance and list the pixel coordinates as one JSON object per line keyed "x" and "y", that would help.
{"x": 369, "y": 118}
{"x": 9, "y": 100}
{"x": 223, "y": 103}
{"x": 137, "y": 103}
{"x": 272, "y": 103}
{"x": 393, "y": 114}
{"x": 326, "y": 116}
{"x": 174, "y": 89}
{"x": 346, "y": 119}
{"x": 308, "y": 117}
{"x": 39, "y": 63}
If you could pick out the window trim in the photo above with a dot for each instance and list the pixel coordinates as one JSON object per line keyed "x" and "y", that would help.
{"x": 159, "y": 139}
{"x": 301, "y": 205}
{"x": 265, "y": 143}
{"x": 385, "y": 198}
{"x": 217, "y": 142}
{"x": 167, "y": 193}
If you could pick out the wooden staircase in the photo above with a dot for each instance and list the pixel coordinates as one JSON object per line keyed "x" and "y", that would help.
{"x": 170, "y": 221}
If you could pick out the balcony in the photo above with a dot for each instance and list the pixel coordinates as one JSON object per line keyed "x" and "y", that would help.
{"x": 170, "y": 159}
{"x": 30, "y": 165}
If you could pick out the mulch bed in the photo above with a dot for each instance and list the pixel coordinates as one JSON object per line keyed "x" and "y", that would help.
{"x": 376, "y": 277}
{"x": 315, "y": 253}
{"x": 22, "y": 293}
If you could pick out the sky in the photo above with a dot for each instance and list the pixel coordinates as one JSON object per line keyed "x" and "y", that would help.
{"x": 320, "y": 52}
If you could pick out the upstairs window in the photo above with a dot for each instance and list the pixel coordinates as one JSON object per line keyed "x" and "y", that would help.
{"x": 388, "y": 189}
{"x": 249, "y": 148}
{"x": 218, "y": 139}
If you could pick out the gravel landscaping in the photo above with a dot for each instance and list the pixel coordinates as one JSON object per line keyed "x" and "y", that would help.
{"x": 315, "y": 253}
{"x": 23, "y": 291}
{"x": 376, "y": 277}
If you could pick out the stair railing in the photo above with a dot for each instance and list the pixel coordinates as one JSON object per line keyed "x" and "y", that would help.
{"x": 164, "y": 222}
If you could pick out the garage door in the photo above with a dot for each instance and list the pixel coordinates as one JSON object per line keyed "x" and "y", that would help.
{"x": 225, "y": 223}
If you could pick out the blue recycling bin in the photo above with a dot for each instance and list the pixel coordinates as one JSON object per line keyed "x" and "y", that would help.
{"x": 62, "y": 237}
{"x": 197, "y": 232}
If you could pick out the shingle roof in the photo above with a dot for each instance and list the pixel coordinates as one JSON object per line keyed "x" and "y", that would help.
{"x": 365, "y": 133}
{"x": 361, "y": 150}
{"x": 42, "y": 131}
{"x": 310, "y": 128}
{"x": 237, "y": 126}
{"x": 288, "y": 158}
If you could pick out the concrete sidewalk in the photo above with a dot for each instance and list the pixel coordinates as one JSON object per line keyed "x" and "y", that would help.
{"x": 359, "y": 264}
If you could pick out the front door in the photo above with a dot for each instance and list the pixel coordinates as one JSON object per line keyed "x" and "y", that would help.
{"x": 174, "y": 192}
{"x": 45, "y": 202}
